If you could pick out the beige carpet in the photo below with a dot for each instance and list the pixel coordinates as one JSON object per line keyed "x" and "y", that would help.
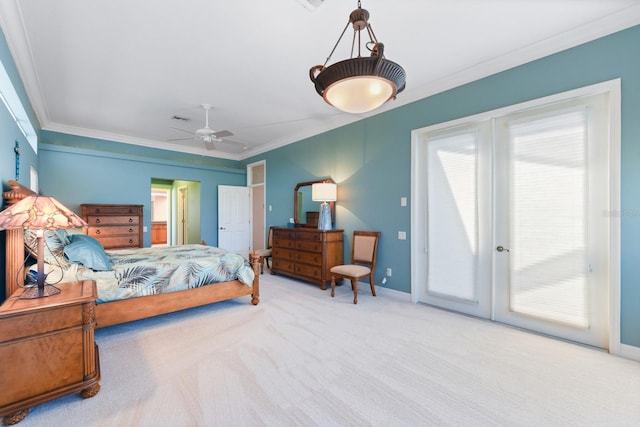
{"x": 303, "y": 358}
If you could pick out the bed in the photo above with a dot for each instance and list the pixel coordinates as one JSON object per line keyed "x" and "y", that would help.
{"x": 117, "y": 305}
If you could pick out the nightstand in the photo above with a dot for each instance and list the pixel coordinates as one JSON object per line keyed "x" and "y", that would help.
{"x": 47, "y": 349}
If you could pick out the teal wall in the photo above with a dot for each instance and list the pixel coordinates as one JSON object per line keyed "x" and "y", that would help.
{"x": 101, "y": 175}
{"x": 9, "y": 134}
{"x": 371, "y": 159}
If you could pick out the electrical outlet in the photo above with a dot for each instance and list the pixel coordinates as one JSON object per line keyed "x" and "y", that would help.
{"x": 389, "y": 272}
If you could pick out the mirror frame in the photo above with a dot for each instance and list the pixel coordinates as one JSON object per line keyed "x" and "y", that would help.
{"x": 296, "y": 214}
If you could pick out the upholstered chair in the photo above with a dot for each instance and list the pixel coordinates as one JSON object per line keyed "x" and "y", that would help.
{"x": 265, "y": 254}
{"x": 363, "y": 262}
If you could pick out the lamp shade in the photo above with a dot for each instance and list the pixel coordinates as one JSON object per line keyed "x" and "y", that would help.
{"x": 324, "y": 192}
{"x": 39, "y": 213}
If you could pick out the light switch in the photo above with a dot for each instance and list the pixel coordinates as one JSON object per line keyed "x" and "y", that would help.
{"x": 402, "y": 235}
{"x": 403, "y": 201}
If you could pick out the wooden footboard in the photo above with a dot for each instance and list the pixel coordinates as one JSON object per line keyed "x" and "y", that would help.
{"x": 115, "y": 312}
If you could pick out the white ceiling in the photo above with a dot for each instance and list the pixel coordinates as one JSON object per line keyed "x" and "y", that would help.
{"x": 121, "y": 69}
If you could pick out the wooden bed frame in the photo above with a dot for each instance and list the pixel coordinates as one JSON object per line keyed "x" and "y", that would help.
{"x": 115, "y": 312}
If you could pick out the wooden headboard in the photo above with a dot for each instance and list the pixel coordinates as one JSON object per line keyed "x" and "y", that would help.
{"x": 15, "y": 240}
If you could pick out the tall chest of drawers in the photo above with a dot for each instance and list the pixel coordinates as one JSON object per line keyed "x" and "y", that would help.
{"x": 115, "y": 226}
{"x": 307, "y": 253}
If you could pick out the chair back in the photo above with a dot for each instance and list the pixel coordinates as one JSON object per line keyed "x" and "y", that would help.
{"x": 270, "y": 238}
{"x": 365, "y": 248}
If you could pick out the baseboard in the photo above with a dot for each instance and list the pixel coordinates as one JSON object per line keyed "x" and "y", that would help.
{"x": 392, "y": 293}
{"x": 629, "y": 352}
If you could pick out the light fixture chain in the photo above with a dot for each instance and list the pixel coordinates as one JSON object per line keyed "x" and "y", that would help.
{"x": 353, "y": 43}
{"x": 336, "y": 45}
{"x": 372, "y": 35}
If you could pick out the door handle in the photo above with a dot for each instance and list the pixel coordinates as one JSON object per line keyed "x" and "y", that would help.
{"x": 502, "y": 249}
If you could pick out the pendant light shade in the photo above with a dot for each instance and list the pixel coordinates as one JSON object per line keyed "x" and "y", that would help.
{"x": 359, "y": 84}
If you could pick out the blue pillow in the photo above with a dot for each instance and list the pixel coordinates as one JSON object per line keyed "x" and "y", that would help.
{"x": 87, "y": 251}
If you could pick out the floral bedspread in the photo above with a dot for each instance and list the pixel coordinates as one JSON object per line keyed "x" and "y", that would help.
{"x": 155, "y": 270}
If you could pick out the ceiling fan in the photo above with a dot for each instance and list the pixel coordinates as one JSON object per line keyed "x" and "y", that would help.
{"x": 208, "y": 135}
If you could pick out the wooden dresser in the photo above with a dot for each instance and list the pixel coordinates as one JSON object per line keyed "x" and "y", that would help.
{"x": 115, "y": 226}
{"x": 47, "y": 348}
{"x": 307, "y": 253}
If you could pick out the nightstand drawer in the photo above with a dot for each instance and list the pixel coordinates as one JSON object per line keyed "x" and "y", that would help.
{"x": 40, "y": 322}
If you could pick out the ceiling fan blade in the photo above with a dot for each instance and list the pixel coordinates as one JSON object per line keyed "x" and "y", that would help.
{"x": 222, "y": 134}
{"x": 187, "y": 131}
{"x": 179, "y": 139}
{"x": 209, "y": 145}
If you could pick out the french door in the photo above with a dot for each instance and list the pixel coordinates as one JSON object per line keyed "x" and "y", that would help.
{"x": 512, "y": 218}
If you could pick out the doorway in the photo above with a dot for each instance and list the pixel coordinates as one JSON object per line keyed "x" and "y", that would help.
{"x": 160, "y": 214}
{"x": 508, "y": 212}
{"x": 176, "y": 203}
{"x": 256, "y": 181}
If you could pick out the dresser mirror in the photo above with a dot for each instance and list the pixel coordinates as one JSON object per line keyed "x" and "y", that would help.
{"x": 305, "y": 210}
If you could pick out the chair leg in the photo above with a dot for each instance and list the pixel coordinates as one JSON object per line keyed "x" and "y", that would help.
{"x": 373, "y": 286}
{"x": 333, "y": 286}
{"x": 354, "y": 286}
{"x": 261, "y": 265}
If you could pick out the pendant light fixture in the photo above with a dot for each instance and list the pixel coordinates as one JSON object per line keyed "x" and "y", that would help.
{"x": 359, "y": 84}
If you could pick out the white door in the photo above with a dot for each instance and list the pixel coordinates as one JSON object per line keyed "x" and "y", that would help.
{"x": 511, "y": 216}
{"x": 234, "y": 219}
{"x": 456, "y": 253}
{"x": 551, "y": 259}
{"x": 182, "y": 231}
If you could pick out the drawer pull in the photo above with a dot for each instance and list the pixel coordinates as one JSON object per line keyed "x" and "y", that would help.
{"x": 130, "y": 210}
{"x": 131, "y": 230}
{"x": 97, "y": 220}
{"x": 130, "y": 219}
{"x": 98, "y": 231}
{"x": 97, "y": 210}
{"x": 131, "y": 241}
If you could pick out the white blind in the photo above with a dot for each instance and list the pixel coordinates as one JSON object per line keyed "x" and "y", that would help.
{"x": 548, "y": 214}
{"x": 452, "y": 215}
